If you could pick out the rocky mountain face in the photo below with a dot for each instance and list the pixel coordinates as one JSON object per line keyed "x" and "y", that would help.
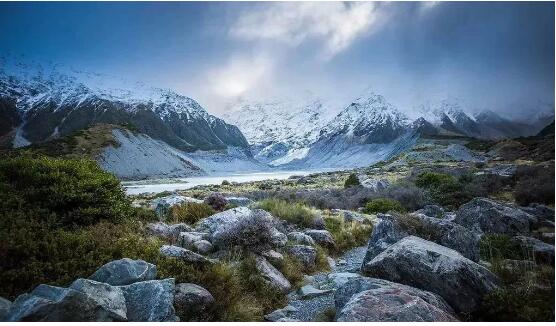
{"x": 39, "y": 103}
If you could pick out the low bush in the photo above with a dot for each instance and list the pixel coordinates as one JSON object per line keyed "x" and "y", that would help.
{"x": 383, "y": 205}
{"x": 352, "y": 181}
{"x": 294, "y": 213}
{"x": 190, "y": 213}
{"x": 347, "y": 235}
{"x": 518, "y": 304}
{"x": 534, "y": 184}
{"x": 432, "y": 180}
{"x": 217, "y": 201}
{"x": 495, "y": 247}
{"x": 407, "y": 194}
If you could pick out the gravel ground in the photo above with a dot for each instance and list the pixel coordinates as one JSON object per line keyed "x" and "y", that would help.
{"x": 309, "y": 309}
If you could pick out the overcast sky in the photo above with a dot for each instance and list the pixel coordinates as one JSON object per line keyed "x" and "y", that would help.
{"x": 493, "y": 55}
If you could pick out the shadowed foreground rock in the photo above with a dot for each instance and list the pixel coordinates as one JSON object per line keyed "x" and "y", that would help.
{"x": 429, "y": 266}
{"x": 368, "y": 299}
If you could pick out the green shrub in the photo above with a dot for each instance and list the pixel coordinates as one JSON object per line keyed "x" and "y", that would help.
{"x": 67, "y": 192}
{"x": 431, "y": 180}
{"x": 500, "y": 246}
{"x": 534, "y": 184}
{"x": 352, "y": 181}
{"x": 518, "y": 304}
{"x": 383, "y": 205}
{"x": 295, "y": 213}
{"x": 190, "y": 213}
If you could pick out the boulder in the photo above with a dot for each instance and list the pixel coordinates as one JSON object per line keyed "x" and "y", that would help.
{"x": 451, "y": 235}
{"x": 542, "y": 212}
{"x": 214, "y": 222}
{"x": 432, "y": 211}
{"x": 5, "y": 305}
{"x": 196, "y": 241}
{"x": 487, "y": 216}
{"x": 84, "y": 300}
{"x": 318, "y": 222}
{"x": 150, "y": 300}
{"x": 239, "y": 201}
{"x": 162, "y": 205}
{"x": 190, "y": 299}
{"x": 164, "y": 230}
{"x": 203, "y": 247}
{"x": 272, "y": 275}
{"x": 307, "y": 255}
{"x": 385, "y": 233}
{"x": 273, "y": 257}
{"x": 375, "y": 184}
{"x": 301, "y": 238}
{"x": 184, "y": 254}
{"x": 359, "y": 284}
{"x": 341, "y": 278}
{"x": 429, "y": 266}
{"x": 542, "y": 252}
{"x": 350, "y": 216}
{"x": 254, "y": 231}
{"x": 390, "y": 305}
{"x": 280, "y": 315}
{"x": 124, "y": 271}
{"x": 322, "y": 237}
{"x": 309, "y": 291}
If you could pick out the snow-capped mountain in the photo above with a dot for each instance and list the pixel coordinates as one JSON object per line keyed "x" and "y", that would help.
{"x": 280, "y": 130}
{"x": 42, "y": 102}
{"x": 453, "y": 117}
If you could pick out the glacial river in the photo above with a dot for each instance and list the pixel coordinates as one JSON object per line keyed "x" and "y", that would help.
{"x": 160, "y": 185}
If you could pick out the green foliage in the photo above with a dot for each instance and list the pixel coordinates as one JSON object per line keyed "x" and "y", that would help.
{"x": 347, "y": 235}
{"x": 294, "y": 213}
{"x": 65, "y": 192}
{"x": 432, "y": 180}
{"x": 500, "y": 246}
{"x": 292, "y": 269}
{"x": 190, "y": 213}
{"x": 534, "y": 184}
{"x": 521, "y": 304}
{"x": 383, "y": 205}
{"x": 352, "y": 181}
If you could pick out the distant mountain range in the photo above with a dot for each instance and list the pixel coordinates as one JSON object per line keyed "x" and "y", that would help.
{"x": 42, "y": 103}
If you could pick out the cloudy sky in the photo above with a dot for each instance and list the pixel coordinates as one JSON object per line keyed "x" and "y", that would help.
{"x": 493, "y": 55}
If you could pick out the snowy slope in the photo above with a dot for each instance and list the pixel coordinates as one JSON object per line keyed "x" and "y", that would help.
{"x": 55, "y": 100}
{"x": 280, "y": 130}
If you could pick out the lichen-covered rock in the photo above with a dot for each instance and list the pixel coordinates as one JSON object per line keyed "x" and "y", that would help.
{"x": 391, "y": 305}
{"x": 542, "y": 252}
{"x": 196, "y": 241}
{"x": 301, "y": 238}
{"x": 452, "y": 235}
{"x": 170, "y": 231}
{"x": 385, "y": 233}
{"x": 273, "y": 257}
{"x": 375, "y": 184}
{"x": 190, "y": 299}
{"x": 310, "y": 291}
{"x": 322, "y": 237}
{"x": 162, "y": 205}
{"x": 184, "y": 254}
{"x": 432, "y": 267}
{"x": 305, "y": 254}
{"x": 484, "y": 215}
{"x": 150, "y": 300}
{"x": 124, "y": 271}
{"x": 272, "y": 275}
{"x": 432, "y": 211}
{"x": 239, "y": 201}
{"x": 540, "y": 211}
{"x": 84, "y": 300}
{"x": 350, "y": 216}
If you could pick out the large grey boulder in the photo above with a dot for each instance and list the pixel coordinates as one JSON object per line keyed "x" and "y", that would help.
{"x": 84, "y": 300}
{"x": 301, "y": 238}
{"x": 542, "y": 252}
{"x": 392, "y": 305}
{"x": 451, "y": 235}
{"x": 540, "y": 211}
{"x": 214, "y": 222}
{"x": 484, "y": 215}
{"x": 309, "y": 291}
{"x": 184, "y": 254}
{"x": 190, "y": 299}
{"x": 359, "y": 284}
{"x": 162, "y": 205}
{"x": 272, "y": 275}
{"x": 385, "y": 233}
{"x": 124, "y": 271}
{"x": 432, "y": 211}
{"x": 432, "y": 267}
{"x": 307, "y": 255}
{"x": 170, "y": 231}
{"x": 239, "y": 201}
{"x": 150, "y": 300}
{"x": 196, "y": 241}
{"x": 375, "y": 184}
{"x": 322, "y": 237}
